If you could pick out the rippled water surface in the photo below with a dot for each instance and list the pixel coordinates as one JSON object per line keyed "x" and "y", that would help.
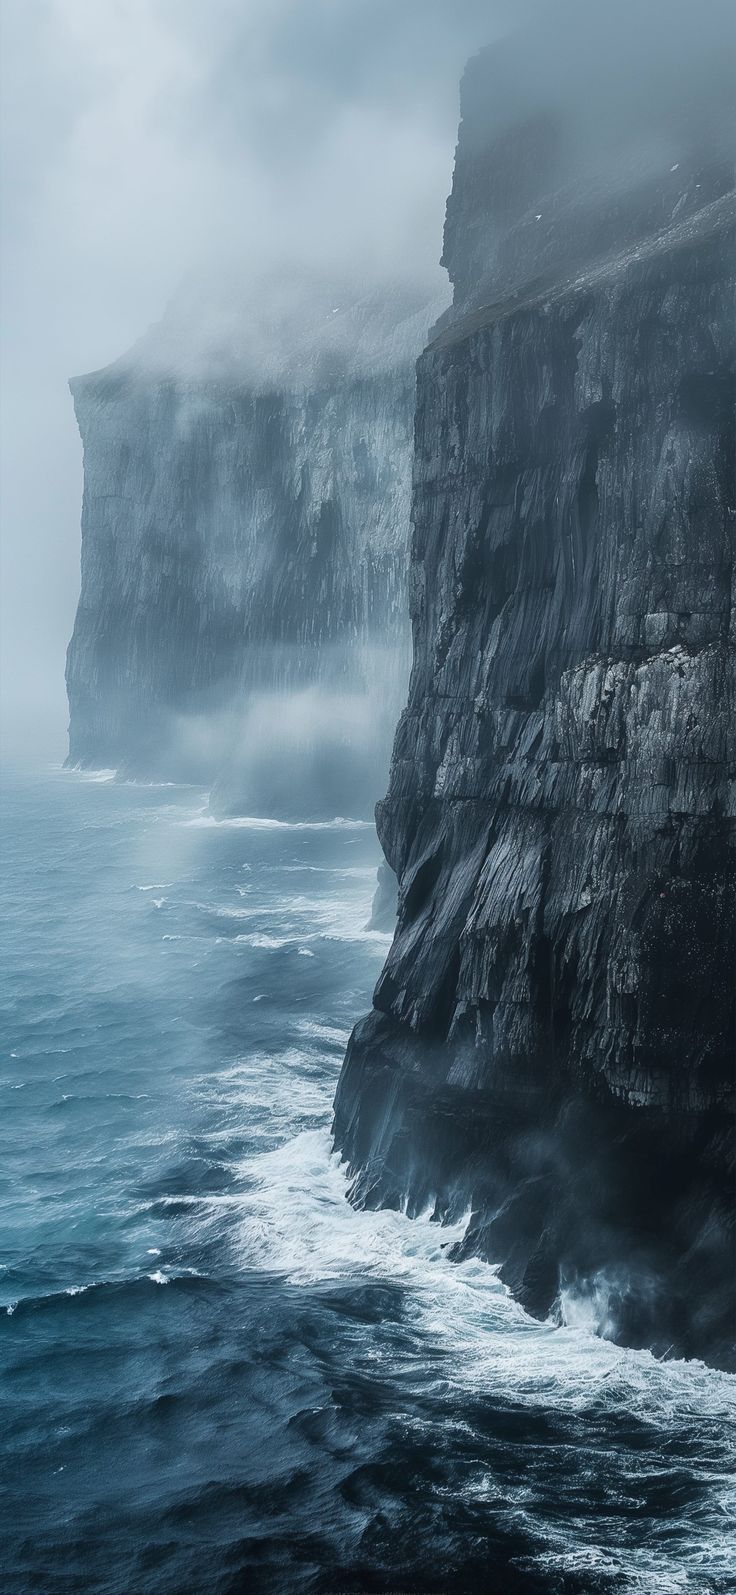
{"x": 217, "y": 1377}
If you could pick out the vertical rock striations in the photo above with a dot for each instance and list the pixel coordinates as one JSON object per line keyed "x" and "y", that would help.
{"x": 243, "y": 613}
{"x": 552, "y": 1040}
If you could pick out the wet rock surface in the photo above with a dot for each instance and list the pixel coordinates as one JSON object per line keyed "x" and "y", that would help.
{"x": 552, "y": 1041}
{"x": 243, "y": 613}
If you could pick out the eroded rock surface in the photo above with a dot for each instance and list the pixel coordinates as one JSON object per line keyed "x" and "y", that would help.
{"x": 243, "y": 615}
{"x": 552, "y": 1041}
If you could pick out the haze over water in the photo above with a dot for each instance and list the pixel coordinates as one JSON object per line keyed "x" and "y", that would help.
{"x": 217, "y": 1376}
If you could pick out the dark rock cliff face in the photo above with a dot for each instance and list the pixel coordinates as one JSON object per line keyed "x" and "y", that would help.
{"x": 243, "y": 615}
{"x": 552, "y": 1041}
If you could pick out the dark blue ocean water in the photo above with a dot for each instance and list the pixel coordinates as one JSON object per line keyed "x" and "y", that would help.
{"x": 216, "y": 1376}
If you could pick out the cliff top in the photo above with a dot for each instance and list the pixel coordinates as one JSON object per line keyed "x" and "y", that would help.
{"x": 594, "y": 129}
{"x": 717, "y": 219}
{"x": 294, "y": 334}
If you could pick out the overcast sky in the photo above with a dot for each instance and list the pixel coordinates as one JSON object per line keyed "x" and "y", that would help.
{"x": 146, "y": 139}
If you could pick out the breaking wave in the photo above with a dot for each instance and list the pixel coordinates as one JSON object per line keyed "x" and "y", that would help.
{"x": 219, "y": 1374}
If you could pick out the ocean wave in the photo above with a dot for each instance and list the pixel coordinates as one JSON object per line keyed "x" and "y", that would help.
{"x": 299, "y": 1222}
{"x": 103, "y": 773}
{"x": 316, "y": 1030}
{"x": 159, "y": 786}
{"x": 355, "y": 872}
{"x": 89, "y": 1100}
{"x": 260, "y": 823}
{"x": 230, "y": 1166}
{"x": 260, "y": 939}
{"x": 48, "y": 1301}
{"x": 346, "y": 922}
{"x": 329, "y": 919}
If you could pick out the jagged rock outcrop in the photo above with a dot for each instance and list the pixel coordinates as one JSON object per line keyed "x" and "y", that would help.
{"x": 552, "y": 1040}
{"x": 243, "y": 615}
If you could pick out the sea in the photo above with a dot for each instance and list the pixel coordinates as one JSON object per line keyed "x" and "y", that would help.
{"x": 218, "y": 1377}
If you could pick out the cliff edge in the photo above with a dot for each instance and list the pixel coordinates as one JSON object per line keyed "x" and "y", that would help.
{"x": 243, "y": 618}
{"x": 552, "y": 1039}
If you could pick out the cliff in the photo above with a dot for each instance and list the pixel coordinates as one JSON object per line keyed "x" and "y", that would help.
{"x": 552, "y": 1039}
{"x": 243, "y": 616}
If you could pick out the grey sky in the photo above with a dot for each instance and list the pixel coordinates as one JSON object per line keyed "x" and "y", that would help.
{"x": 146, "y": 139}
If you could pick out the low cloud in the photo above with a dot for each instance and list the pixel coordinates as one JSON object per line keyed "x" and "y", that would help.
{"x": 152, "y": 143}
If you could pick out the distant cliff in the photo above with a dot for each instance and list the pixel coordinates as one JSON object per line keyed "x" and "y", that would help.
{"x": 243, "y": 616}
{"x": 552, "y": 1041}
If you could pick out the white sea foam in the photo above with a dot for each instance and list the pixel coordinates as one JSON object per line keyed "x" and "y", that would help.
{"x": 347, "y": 929}
{"x": 336, "y": 871}
{"x": 335, "y": 1034}
{"x": 297, "y": 1221}
{"x": 337, "y": 919}
{"x": 260, "y": 939}
{"x": 459, "y": 1326}
{"x": 255, "y": 912}
{"x": 259, "y": 823}
{"x": 329, "y": 918}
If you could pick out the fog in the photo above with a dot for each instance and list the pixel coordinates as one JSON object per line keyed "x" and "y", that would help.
{"x": 150, "y": 143}
{"x": 618, "y": 75}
